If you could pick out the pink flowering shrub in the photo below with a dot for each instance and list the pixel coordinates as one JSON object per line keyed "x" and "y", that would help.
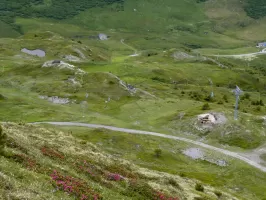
{"x": 124, "y": 171}
{"x": 86, "y": 167}
{"x": 93, "y": 172}
{"x": 52, "y": 153}
{"x": 115, "y": 177}
{"x": 162, "y": 196}
{"x": 74, "y": 186}
{"x": 26, "y": 161}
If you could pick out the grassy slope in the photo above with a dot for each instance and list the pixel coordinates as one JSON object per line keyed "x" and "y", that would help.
{"x": 140, "y": 149}
{"x": 33, "y": 153}
{"x": 179, "y": 85}
{"x": 22, "y": 85}
{"x": 7, "y": 31}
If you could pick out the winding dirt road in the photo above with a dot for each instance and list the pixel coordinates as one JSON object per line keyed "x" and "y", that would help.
{"x": 140, "y": 132}
{"x": 263, "y": 51}
{"x": 133, "y": 49}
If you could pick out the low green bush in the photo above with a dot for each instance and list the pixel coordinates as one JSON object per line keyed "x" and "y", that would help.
{"x": 199, "y": 187}
{"x": 2, "y": 140}
{"x": 158, "y": 153}
{"x": 218, "y": 194}
{"x": 173, "y": 182}
{"x": 206, "y": 106}
{"x": 139, "y": 190}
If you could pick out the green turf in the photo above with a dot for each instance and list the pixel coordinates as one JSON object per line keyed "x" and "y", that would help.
{"x": 7, "y": 30}
{"x": 176, "y": 43}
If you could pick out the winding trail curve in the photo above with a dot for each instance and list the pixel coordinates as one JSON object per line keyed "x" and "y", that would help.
{"x": 132, "y": 48}
{"x": 263, "y": 51}
{"x": 140, "y": 132}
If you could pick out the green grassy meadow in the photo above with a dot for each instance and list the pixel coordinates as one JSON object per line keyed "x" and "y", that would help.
{"x": 166, "y": 51}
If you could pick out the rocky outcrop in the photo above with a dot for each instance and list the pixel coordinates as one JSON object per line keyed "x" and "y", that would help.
{"x": 212, "y": 118}
{"x": 62, "y": 65}
{"x": 56, "y": 99}
{"x": 71, "y": 58}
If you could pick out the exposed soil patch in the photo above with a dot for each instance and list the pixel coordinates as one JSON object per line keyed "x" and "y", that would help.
{"x": 62, "y": 65}
{"x": 209, "y": 120}
{"x": 199, "y": 154}
{"x": 56, "y": 99}
{"x": 182, "y": 56}
{"x": 36, "y": 52}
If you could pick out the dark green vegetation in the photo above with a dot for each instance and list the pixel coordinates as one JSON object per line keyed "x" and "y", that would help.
{"x": 256, "y": 8}
{"x": 55, "y": 9}
{"x": 158, "y": 153}
{"x": 2, "y": 141}
{"x": 199, "y": 187}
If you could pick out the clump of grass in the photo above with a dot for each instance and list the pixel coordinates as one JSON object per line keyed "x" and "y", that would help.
{"x": 2, "y": 97}
{"x": 141, "y": 188}
{"x": 3, "y": 138}
{"x": 29, "y": 163}
{"x": 199, "y": 187}
{"x": 173, "y": 182}
{"x": 200, "y": 198}
{"x": 218, "y": 193}
{"x": 11, "y": 143}
{"x": 225, "y": 98}
{"x": 206, "y": 106}
{"x": 158, "y": 153}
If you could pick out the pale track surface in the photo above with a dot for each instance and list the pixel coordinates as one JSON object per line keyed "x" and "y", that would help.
{"x": 140, "y": 132}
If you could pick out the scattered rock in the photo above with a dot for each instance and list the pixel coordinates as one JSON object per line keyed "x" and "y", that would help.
{"x": 81, "y": 54}
{"x": 102, "y": 36}
{"x": 130, "y": 88}
{"x": 72, "y": 58}
{"x": 211, "y": 119}
{"x": 264, "y": 119}
{"x": 74, "y": 82}
{"x": 182, "y": 56}
{"x": 214, "y": 61}
{"x": 206, "y": 118}
{"x": 62, "y": 65}
{"x": 36, "y": 52}
{"x": 56, "y": 99}
{"x": 221, "y": 163}
{"x": 194, "y": 153}
{"x": 56, "y": 62}
{"x": 137, "y": 123}
{"x": 59, "y": 64}
{"x": 134, "y": 55}
{"x": 181, "y": 115}
{"x": 198, "y": 154}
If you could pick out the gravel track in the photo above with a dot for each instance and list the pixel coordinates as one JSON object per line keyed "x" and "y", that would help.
{"x": 140, "y": 132}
